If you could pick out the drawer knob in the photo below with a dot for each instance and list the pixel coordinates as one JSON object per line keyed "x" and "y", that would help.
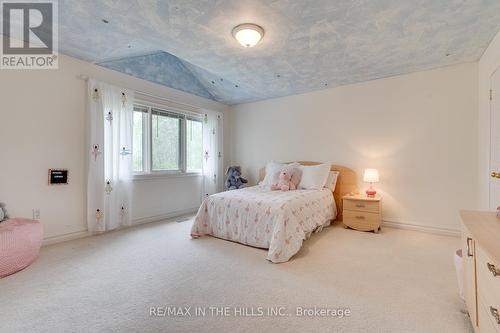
{"x": 493, "y": 269}
{"x": 360, "y": 206}
{"x": 494, "y": 313}
{"x": 360, "y": 217}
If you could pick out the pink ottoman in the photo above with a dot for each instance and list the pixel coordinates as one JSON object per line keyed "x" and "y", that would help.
{"x": 20, "y": 241}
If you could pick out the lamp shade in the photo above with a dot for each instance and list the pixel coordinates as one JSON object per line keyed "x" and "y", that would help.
{"x": 370, "y": 176}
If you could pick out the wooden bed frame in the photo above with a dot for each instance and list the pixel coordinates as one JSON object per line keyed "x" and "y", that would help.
{"x": 347, "y": 182}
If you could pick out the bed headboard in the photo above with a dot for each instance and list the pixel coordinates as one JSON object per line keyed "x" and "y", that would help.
{"x": 347, "y": 182}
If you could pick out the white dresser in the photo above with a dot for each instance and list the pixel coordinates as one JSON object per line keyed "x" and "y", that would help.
{"x": 481, "y": 256}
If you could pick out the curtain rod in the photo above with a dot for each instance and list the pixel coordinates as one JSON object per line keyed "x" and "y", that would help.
{"x": 86, "y": 77}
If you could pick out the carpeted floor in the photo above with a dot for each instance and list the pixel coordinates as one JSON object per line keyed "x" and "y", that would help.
{"x": 395, "y": 281}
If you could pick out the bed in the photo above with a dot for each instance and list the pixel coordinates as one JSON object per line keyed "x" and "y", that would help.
{"x": 274, "y": 220}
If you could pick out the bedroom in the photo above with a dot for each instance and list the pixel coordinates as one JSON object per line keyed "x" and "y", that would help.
{"x": 117, "y": 137}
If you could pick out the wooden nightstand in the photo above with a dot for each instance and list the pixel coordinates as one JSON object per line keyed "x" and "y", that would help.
{"x": 362, "y": 213}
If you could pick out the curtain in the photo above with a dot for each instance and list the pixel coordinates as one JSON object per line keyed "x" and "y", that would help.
{"x": 109, "y": 188}
{"x": 212, "y": 153}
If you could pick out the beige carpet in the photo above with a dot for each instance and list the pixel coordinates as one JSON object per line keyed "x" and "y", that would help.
{"x": 395, "y": 281}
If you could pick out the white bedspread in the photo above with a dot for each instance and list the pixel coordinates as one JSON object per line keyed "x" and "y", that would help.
{"x": 274, "y": 220}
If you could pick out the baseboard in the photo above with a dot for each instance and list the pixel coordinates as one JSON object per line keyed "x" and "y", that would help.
{"x": 423, "y": 228}
{"x": 65, "y": 237}
{"x": 168, "y": 216}
{"x": 135, "y": 222}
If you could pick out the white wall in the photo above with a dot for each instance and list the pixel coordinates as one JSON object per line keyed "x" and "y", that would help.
{"x": 488, "y": 63}
{"x": 419, "y": 130}
{"x": 42, "y": 121}
{"x": 155, "y": 198}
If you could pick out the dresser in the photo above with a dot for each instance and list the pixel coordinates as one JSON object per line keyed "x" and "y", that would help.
{"x": 361, "y": 212}
{"x": 481, "y": 258}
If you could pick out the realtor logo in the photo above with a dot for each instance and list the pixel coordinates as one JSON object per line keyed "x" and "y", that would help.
{"x": 29, "y": 32}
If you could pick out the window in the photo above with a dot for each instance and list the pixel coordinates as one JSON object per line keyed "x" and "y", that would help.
{"x": 166, "y": 141}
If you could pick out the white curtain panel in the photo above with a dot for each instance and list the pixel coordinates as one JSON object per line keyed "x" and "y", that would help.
{"x": 109, "y": 188}
{"x": 212, "y": 153}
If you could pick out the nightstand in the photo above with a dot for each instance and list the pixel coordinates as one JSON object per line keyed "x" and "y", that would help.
{"x": 362, "y": 212}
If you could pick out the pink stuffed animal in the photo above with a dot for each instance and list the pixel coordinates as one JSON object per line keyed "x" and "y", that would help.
{"x": 285, "y": 181}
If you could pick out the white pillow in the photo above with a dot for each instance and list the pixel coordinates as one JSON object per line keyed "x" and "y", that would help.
{"x": 314, "y": 177}
{"x": 331, "y": 181}
{"x": 273, "y": 170}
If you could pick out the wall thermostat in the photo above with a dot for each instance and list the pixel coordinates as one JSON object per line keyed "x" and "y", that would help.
{"x": 58, "y": 176}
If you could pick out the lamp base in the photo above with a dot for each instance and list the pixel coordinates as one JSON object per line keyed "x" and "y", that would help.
{"x": 371, "y": 192}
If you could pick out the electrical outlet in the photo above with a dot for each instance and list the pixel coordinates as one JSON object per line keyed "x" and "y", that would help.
{"x": 36, "y": 214}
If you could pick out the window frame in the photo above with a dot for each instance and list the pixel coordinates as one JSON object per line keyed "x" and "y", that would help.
{"x": 200, "y": 120}
{"x": 145, "y": 133}
{"x": 147, "y": 141}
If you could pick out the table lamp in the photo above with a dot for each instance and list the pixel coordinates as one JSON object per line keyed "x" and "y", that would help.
{"x": 371, "y": 176}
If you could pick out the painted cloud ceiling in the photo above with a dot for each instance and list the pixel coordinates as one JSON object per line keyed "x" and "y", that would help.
{"x": 308, "y": 44}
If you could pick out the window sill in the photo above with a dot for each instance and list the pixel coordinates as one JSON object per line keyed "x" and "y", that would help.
{"x": 164, "y": 175}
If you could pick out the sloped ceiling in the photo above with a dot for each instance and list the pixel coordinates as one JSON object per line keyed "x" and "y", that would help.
{"x": 308, "y": 44}
{"x": 166, "y": 69}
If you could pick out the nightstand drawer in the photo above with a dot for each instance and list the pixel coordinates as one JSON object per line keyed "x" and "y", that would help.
{"x": 487, "y": 318}
{"x": 362, "y": 205}
{"x": 488, "y": 289}
{"x": 362, "y": 220}
{"x": 488, "y": 272}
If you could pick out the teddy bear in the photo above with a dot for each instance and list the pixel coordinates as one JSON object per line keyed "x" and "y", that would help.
{"x": 234, "y": 180}
{"x": 285, "y": 182}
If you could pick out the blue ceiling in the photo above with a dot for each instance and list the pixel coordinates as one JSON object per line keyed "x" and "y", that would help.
{"x": 308, "y": 45}
{"x": 171, "y": 71}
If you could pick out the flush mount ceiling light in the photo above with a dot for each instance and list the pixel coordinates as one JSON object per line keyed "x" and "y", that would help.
{"x": 248, "y": 34}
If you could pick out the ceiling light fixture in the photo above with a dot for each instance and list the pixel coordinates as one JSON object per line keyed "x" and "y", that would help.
{"x": 248, "y": 34}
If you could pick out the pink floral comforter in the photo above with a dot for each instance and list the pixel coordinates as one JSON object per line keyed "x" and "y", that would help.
{"x": 274, "y": 220}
